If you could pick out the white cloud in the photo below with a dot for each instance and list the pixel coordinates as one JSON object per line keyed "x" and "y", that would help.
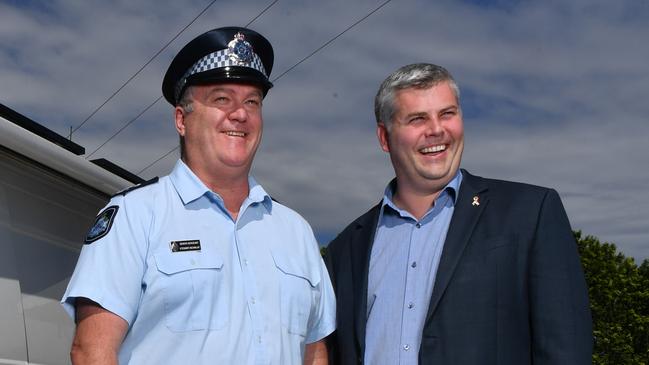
{"x": 553, "y": 93}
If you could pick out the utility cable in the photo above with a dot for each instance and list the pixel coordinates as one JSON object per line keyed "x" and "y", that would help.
{"x": 262, "y": 12}
{"x": 140, "y": 70}
{"x": 124, "y": 127}
{"x": 156, "y": 161}
{"x": 331, "y": 40}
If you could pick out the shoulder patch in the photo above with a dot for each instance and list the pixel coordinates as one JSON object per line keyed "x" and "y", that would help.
{"x": 102, "y": 224}
{"x": 135, "y": 187}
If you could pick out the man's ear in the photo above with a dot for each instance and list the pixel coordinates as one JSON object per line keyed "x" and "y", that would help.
{"x": 179, "y": 116}
{"x": 382, "y": 134}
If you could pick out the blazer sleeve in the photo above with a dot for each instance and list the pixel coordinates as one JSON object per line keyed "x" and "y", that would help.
{"x": 560, "y": 314}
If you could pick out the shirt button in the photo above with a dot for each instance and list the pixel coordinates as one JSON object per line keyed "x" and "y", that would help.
{"x": 193, "y": 262}
{"x": 411, "y": 305}
{"x": 414, "y": 264}
{"x": 406, "y": 347}
{"x": 259, "y": 339}
{"x": 245, "y": 262}
{"x": 252, "y": 300}
{"x": 418, "y": 225}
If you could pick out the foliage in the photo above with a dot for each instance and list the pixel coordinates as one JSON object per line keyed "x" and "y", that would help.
{"x": 619, "y": 300}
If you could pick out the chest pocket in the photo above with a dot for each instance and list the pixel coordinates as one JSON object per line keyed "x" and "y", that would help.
{"x": 192, "y": 286}
{"x": 298, "y": 292}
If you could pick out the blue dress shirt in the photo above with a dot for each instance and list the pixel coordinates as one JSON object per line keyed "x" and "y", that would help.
{"x": 197, "y": 287}
{"x": 403, "y": 265}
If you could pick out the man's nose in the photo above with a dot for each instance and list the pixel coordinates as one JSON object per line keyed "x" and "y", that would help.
{"x": 238, "y": 113}
{"x": 434, "y": 127}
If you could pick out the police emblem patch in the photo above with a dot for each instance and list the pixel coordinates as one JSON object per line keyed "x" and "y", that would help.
{"x": 102, "y": 224}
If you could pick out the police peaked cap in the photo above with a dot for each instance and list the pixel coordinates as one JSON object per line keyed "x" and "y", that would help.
{"x": 229, "y": 54}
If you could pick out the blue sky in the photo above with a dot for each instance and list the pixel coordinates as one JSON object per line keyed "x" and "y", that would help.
{"x": 554, "y": 93}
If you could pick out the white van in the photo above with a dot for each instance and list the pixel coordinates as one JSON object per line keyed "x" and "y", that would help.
{"x": 49, "y": 196}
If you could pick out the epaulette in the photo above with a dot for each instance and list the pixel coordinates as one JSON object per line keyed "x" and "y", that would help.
{"x": 135, "y": 187}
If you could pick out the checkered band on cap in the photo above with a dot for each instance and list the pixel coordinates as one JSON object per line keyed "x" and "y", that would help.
{"x": 215, "y": 60}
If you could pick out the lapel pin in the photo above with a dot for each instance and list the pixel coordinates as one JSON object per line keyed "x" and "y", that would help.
{"x": 476, "y": 200}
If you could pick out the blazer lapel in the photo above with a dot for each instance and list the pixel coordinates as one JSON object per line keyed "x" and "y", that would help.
{"x": 360, "y": 255}
{"x": 465, "y": 216}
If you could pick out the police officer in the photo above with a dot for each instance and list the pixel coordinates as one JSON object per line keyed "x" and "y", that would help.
{"x": 202, "y": 266}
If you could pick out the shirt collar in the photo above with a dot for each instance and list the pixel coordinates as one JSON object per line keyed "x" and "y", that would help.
{"x": 257, "y": 194}
{"x": 452, "y": 188}
{"x": 190, "y": 187}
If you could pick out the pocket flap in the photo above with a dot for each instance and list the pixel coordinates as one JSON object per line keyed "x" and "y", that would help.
{"x": 173, "y": 262}
{"x": 297, "y": 267}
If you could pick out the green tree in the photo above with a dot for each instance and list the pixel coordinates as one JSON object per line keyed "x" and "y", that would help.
{"x": 619, "y": 300}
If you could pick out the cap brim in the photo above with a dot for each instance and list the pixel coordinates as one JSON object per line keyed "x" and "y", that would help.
{"x": 232, "y": 74}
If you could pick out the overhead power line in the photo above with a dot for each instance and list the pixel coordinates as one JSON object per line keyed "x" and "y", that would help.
{"x": 331, "y": 40}
{"x": 124, "y": 127}
{"x": 262, "y": 12}
{"x": 140, "y": 70}
{"x": 159, "y": 158}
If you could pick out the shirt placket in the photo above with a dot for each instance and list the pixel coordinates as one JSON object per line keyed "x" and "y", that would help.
{"x": 252, "y": 298}
{"x": 408, "y": 343}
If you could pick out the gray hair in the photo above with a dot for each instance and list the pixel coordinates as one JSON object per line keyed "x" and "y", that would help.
{"x": 418, "y": 76}
{"x": 186, "y": 100}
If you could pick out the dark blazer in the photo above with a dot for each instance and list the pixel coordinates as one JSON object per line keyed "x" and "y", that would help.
{"x": 509, "y": 287}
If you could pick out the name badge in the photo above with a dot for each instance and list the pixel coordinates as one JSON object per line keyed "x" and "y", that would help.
{"x": 187, "y": 245}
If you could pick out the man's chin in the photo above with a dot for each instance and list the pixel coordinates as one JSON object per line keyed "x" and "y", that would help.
{"x": 440, "y": 176}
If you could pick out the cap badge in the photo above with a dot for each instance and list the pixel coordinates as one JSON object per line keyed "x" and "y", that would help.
{"x": 239, "y": 50}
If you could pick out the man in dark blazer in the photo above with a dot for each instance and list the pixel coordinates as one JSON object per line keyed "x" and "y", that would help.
{"x": 452, "y": 268}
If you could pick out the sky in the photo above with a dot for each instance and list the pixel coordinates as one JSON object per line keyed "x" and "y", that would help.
{"x": 553, "y": 93}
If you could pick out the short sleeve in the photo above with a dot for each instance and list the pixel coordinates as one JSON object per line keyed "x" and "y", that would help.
{"x": 112, "y": 261}
{"x": 322, "y": 321}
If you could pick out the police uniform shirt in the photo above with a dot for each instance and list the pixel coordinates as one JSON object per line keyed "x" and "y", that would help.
{"x": 197, "y": 287}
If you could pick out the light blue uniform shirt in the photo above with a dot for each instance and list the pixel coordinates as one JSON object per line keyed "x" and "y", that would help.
{"x": 254, "y": 291}
{"x": 403, "y": 265}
